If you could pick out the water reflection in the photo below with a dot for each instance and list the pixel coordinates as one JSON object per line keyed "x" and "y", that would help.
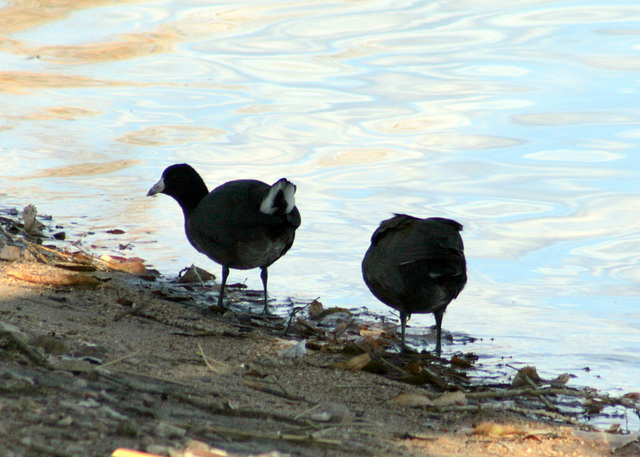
{"x": 518, "y": 120}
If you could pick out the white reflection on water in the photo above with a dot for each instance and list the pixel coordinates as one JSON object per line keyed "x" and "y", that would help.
{"x": 519, "y": 120}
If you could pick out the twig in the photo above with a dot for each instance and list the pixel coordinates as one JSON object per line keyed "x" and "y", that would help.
{"x": 510, "y": 393}
{"x": 118, "y": 360}
{"x": 278, "y": 436}
{"x": 135, "y": 309}
{"x": 308, "y": 411}
{"x": 475, "y": 408}
{"x": 295, "y": 311}
{"x": 222, "y": 367}
{"x": 543, "y": 412}
{"x": 42, "y": 449}
{"x": 534, "y": 386}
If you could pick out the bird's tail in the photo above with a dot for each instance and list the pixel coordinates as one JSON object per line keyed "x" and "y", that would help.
{"x": 280, "y": 198}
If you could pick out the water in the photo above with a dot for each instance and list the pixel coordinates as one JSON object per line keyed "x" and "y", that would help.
{"x": 518, "y": 119}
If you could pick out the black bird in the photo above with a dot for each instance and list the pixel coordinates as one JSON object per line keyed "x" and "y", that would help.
{"x": 241, "y": 224}
{"x": 416, "y": 266}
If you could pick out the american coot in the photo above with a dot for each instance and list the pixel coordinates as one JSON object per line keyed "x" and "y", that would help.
{"x": 416, "y": 266}
{"x": 241, "y": 224}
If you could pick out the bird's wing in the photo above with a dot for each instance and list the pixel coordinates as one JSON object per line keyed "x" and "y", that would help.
{"x": 437, "y": 243}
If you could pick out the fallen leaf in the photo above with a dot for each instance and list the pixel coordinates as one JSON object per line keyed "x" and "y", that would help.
{"x": 339, "y": 330}
{"x": 371, "y": 331}
{"x": 526, "y": 377}
{"x": 122, "y": 264}
{"x": 532, "y": 436}
{"x": 357, "y": 363}
{"x": 412, "y": 400}
{"x": 315, "y": 310}
{"x": 460, "y": 362}
{"x": 414, "y": 368}
{"x": 560, "y": 380}
{"x": 450, "y": 399}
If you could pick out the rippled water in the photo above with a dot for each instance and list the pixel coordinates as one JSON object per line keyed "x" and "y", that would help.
{"x": 519, "y": 119}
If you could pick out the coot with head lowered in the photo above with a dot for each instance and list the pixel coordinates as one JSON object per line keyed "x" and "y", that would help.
{"x": 416, "y": 266}
{"x": 241, "y": 224}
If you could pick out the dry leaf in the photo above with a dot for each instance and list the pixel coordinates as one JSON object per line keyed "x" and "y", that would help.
{"x": 371, "y": 331}
{"x": 355, "y": 364}
{"x": 450, "y": 399}
{"x": 121, "y": 264}
{"x": 494, "y": 429}
{"x": 460, "y": 362}
{"x": 414, "y": 368}
{"x": 315, "y": 310}
{"x": 526, "y": 377}
{"x": 561, "y": 380}
{"x": 412, "y": 400}
{"x": 339, "y": 330}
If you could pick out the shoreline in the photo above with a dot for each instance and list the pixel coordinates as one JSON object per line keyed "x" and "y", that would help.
{"x": 155, "y": 373}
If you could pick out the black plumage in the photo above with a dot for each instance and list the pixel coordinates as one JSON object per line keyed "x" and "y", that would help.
{"x": 416, "y": 266}
{"x": 241, "y": 224}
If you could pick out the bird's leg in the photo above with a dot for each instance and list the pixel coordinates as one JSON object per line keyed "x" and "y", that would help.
{"x": 264, "y": 276}
{"x": 225, "y": 274}
{"x": 403, "y": 324}
{"x": 438, "y": 315}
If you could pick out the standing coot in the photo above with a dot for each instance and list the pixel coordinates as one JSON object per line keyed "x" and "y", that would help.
{"x": 416, "y": 266}
{"x": 241, "y": 224}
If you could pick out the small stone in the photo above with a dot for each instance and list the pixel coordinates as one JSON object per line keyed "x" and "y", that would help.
{"x": 332, "y": 412}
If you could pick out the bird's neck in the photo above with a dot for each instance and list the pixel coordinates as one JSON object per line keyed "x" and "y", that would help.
{"x": 189, "y": 200}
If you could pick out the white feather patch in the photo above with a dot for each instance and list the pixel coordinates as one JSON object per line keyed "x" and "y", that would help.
{"x": 289, "y": 190}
